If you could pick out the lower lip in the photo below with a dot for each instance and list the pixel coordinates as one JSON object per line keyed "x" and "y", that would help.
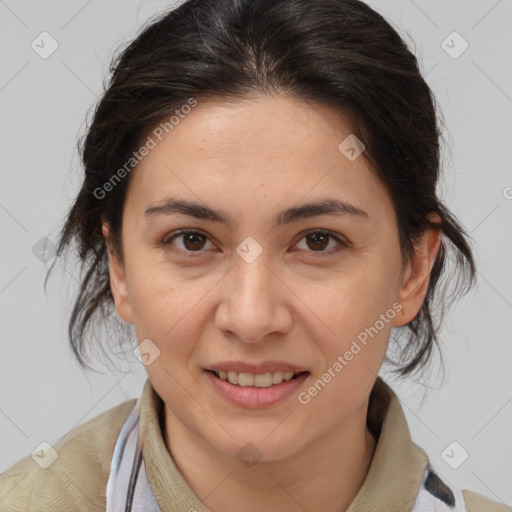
{"x": 253, "y": 397}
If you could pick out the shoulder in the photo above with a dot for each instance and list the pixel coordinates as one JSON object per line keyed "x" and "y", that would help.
{"x": 78, "y": 466}
{"x": 478, "y": 503}
{"x": 435, "y": 494}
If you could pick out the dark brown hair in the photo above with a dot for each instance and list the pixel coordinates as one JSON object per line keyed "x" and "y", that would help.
{"x": 339, "y": 53}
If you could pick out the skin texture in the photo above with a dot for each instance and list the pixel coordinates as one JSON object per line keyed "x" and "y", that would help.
{"x": 295, "y": 303}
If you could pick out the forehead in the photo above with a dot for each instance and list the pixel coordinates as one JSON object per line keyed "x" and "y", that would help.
{"x": 260, "y": 126}
{"x": 255, "y": 151}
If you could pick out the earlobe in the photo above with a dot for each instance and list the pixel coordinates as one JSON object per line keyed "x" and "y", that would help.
{"x": 416, "y": 277}
{"x": 118, "y": 285}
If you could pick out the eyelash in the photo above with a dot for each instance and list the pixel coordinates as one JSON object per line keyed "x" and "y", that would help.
{"x": 325, "y": 232}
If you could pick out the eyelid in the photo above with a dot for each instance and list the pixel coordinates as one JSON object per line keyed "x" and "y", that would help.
{"x": 174, "y": 234}
{"x": 183, "y": 231}
{"x": 343, "y": 243}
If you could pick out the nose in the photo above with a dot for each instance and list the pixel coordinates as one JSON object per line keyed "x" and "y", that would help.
{"x": 254, "y": 305}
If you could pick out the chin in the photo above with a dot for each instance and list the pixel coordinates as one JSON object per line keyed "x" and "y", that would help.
{"x": 251, "y": 449}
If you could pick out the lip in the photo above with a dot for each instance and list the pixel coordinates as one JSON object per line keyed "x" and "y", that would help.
{"x": 263, "y": 367}
{"x": 253, "y": 397}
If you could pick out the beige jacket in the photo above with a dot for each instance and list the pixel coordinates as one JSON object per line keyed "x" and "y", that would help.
{"x": 77, "y": 479}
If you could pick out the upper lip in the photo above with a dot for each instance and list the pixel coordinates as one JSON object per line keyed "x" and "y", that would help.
{"x": 256, "y": 368}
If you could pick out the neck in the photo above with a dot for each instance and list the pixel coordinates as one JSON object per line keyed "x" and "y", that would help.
{"x": 323, "y": 476}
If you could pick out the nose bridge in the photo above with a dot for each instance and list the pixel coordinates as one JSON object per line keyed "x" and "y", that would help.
{"x": 253, "y": 288}
{"x": 252, "y": 306}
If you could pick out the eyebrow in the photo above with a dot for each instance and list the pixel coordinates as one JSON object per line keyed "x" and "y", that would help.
{"x": 336, "y": 207}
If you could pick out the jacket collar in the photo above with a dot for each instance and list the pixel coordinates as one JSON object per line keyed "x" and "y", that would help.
{"x": 392, "y": 482}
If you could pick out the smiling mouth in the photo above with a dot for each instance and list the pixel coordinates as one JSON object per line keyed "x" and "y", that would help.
{"x": 258, "y": 380}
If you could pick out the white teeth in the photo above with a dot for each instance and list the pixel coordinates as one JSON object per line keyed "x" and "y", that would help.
{"x": 260, "y": 380}
{"x": 246, "y": 379}
{"x": 263, "y": 380}
{"x": 277, "y": 377}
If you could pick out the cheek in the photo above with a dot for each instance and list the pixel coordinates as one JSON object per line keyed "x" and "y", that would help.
{"x": 352, "y": 299}
{"x": 356, "y": 313}
{"x": 168, "y": 309}
{"x": 153, "y": 290}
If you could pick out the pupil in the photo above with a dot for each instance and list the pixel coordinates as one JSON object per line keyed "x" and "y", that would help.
{"x": 318, "y": 238}
{"x": 319, "y": 241}
{"x": 190, "y": 239}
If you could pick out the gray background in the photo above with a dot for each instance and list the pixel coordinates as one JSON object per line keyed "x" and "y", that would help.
{"x": 43, "y": 393}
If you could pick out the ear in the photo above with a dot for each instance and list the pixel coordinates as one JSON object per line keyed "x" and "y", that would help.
{"x": 416, "y": 277}
{"x": 118, "y": 284}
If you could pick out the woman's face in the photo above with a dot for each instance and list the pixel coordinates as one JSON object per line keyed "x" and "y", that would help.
{"x": 262, "y": 288}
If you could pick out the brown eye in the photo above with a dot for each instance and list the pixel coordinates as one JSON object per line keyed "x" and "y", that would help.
{"x": 319, "y": 241}
{"x": 192, "y": 241}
